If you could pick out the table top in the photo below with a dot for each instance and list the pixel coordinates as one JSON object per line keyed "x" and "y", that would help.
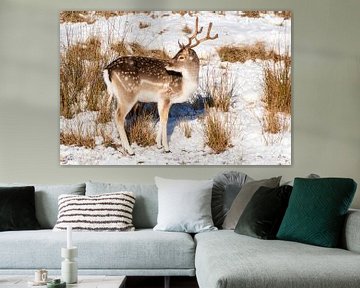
{"x": 84, "y": 281}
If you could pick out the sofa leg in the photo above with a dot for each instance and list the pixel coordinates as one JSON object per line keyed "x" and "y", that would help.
{"x": 167, "y": 282}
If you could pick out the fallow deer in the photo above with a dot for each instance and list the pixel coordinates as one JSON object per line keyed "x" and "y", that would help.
{"x": 133, "y": 78}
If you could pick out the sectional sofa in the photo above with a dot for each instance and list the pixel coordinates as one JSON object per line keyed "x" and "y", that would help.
{"x": 218, "y": 259}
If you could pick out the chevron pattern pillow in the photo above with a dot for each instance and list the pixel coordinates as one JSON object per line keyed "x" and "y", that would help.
{"x": 105, "y": 212}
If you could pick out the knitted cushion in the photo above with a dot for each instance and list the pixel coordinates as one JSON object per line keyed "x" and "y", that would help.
{"x": 105, "y": 212}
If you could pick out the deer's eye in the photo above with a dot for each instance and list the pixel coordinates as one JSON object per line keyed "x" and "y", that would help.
{"x": 181, "y": 58}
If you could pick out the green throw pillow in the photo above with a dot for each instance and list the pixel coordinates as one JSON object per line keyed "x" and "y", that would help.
{"x": 316, "y": 211}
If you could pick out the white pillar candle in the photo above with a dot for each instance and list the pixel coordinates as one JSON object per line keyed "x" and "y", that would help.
{"x": 69, "y": 237}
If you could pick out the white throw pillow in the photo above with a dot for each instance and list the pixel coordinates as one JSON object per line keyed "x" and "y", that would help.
{"x": 184, "y": 205}
{"x": 104, "y": 212}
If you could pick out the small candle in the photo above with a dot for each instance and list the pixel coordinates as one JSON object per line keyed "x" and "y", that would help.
{"x": 69, "y": 239}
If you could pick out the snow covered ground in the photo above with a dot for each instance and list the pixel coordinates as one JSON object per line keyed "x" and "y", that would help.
{"x": 250, "y": 144}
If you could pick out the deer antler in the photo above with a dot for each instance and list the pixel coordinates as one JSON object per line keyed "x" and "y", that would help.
{"x": 197, "y": 32}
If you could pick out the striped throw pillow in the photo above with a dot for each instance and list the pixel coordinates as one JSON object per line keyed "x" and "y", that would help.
{"x": 105, "y": 212}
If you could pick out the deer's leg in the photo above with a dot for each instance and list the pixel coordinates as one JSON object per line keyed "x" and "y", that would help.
{"x": 121, "y": 112}
{"x": 161, "y": 139}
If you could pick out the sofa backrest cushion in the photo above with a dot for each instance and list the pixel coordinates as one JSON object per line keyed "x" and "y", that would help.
{"x": 46, "y": 200}
{"x": 225, "y": 189}
{"x": 146, "y": 204}
{"x": 243, "y": 198}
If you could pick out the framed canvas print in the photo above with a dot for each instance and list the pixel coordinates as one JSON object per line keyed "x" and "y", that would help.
{"x": 175, "y": 87}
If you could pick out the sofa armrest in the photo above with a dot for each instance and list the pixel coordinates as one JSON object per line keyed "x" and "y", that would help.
{"x": 351, "y": 234}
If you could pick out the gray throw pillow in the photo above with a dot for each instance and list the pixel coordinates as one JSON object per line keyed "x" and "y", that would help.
{"x": 184, "y": 205}
{"x": 226, "y": 187}
{"x": 243, "y": 198}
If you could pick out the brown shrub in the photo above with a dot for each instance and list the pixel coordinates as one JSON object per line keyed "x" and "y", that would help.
{"x": 120, "y": 48}
{"x": 284, "y": 14}
{"x": 105, "y": 113}
{"x": 72, "y": 82}
{"x": 186, "y": 128}
{"x": 77, "y": 136}
{"x": 219, "y": 89}
{"x": 81, "y": 82}
{"x": 143, "y": 25}
{"x": 142, "y": 130}
{"x": 252, "y": 14}
{"x": 246, "y": 52}
{"x": 277, "y": 85}
{"x": 217, "y": 131}
{"x": 271, "y": 123}
{"x": 187, "y": 29}
{"x": 72, "y": 16}
{"x": 136, "y": 49}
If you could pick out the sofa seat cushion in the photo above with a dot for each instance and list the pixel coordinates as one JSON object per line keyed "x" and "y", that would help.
{"x": 226, "y": 259}
{"x": 141, "y": 249}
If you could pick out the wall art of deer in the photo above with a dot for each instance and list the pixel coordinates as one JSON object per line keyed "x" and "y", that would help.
{"x": 133, "y": 78}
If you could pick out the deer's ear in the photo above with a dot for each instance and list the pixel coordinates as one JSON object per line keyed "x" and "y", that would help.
{"x": 181, "y": 45}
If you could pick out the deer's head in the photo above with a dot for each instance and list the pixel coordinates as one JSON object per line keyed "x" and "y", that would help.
{"x": 186, "y": 59}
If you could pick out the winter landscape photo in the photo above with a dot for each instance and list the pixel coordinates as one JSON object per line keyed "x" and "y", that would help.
{"x": 175, "y": 88}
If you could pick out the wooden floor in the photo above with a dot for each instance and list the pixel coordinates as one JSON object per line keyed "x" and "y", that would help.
{"x": 158, "y": 282}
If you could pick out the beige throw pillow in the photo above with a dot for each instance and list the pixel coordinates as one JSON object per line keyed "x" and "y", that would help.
{"x": 243, "y": 198}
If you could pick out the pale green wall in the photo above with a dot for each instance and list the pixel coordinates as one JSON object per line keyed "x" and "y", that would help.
{"x": 326, "y": 49}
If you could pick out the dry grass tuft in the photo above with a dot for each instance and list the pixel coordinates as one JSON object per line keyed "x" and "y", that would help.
{"x": 271, "y": 123}
{"x": 158, "y": 53}
{"x": 143, "y": 25}
{"x": 136, "y": 49}
{"x": 252, "y": 14}
{"x": 217, "y": 131}
{"x": 73, "y": 16}
{"x": 246, "y": 52}
{"x": 77, "y": 135}
{"x": 284, "y": 14}
{"x": 105, "y": 113}
{"x": 187, "y": 29}
{"x": 120, "y": 48}
{"x": 81, "y": 82}
{"x": 277, "y": 85}
{"x": 277, "y": 94}
{"x": 219, "y": 89}
{"x": 72, "y": 82}
{"x": 108, "y": 141}
{"x": 186, "y": 128}
{"x": 88, "y": 16}
{"x": 142, "y": 130}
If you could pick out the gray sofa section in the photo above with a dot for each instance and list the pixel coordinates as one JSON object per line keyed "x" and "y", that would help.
{"x": 225, "y": 259}
{"x": 351, "y": 235}
{"x": 221, "y": 259}
{"x": 143, "y": 252}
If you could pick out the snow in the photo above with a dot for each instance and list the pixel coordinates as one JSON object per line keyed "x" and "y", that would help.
{"x": 250, "y": 145}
